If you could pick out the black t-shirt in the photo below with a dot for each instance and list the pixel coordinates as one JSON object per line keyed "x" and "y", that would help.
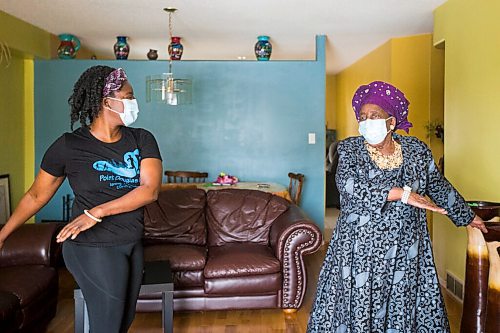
{"x": 99, "y": 172}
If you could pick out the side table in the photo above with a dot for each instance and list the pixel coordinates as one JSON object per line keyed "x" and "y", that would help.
{"x": 157, "y": 278}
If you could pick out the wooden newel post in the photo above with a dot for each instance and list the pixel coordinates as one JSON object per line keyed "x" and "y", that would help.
{"x": 493, "y": 307}
{"x": 476, "y": 283}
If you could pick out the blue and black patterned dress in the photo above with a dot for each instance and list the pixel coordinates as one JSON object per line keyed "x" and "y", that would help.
{"x": 379, "y": 274}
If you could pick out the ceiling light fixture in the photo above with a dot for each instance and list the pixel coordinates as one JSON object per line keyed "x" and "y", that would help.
{"x": 165, "y": 88}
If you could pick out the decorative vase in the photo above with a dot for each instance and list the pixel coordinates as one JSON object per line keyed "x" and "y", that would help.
{"x": 121, "y": 48}
{"x": 152, "y": 54}
{"x": 175, "y": 49}
{"x": 68, "y": 47}
{"x": 263, "y": 48}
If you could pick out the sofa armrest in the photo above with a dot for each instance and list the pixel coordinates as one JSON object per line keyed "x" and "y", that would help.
{"x": 292, "y": 236}
{"x": 32, "y": 244}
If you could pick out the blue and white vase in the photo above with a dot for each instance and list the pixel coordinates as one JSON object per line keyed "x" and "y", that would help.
{"x": 263, "y": 48}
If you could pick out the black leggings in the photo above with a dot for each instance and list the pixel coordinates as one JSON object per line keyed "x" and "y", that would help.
{"x": 110, "y": 279}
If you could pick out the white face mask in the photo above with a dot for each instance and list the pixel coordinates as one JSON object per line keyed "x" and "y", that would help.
{"x": 374, "y": 130}
{"x": 130, "y": 110}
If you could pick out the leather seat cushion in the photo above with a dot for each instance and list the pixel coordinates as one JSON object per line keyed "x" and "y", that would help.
{"x": 28, "y": 282}
{"x": 235, "y": 260}
{"x": 244, "y": 285}
{"x": 188, "y": 279}
{"x": 182, "y": 257}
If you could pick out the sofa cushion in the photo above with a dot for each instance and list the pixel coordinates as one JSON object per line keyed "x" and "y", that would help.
{"x": 178, "y": 216}
{"x": 182, "y": 257}
{"x": 188, "y": 279}
{"x": 242, "y": 216}
{"x": 27, "y": 282}
{"x": 234, "y": 260}
{"x": 244, "y": 285}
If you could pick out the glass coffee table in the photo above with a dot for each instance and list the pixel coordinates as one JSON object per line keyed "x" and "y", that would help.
{"x": 157, "y": 278}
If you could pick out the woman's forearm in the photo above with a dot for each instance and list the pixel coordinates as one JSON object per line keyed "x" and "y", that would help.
{"x": 136, "y": 198}
{"x": 27, "y": 207}
{"x": 43, "y": 189}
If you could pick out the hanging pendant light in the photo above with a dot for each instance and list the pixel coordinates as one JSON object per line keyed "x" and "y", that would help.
{"x": 165, "y": 88}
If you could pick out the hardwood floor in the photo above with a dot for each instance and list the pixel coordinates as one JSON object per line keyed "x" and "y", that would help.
{"x": 245, "y": 321}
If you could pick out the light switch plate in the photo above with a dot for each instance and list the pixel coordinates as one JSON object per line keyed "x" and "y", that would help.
{"x": 312, "y": 138}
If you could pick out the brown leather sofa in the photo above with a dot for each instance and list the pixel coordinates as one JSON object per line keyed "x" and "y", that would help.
{"x": 229, "y": 249}
{"x": 29, "y": 278}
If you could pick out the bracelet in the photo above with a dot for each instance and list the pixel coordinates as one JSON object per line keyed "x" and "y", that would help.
{"x": 406, "y": 194}
{"x": 86, "y": 212}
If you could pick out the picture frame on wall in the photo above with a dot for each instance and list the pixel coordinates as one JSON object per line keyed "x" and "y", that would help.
{"x": 4, "y": 199}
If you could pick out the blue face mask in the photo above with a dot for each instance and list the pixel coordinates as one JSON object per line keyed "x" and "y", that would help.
{"x": 374, "y": 130}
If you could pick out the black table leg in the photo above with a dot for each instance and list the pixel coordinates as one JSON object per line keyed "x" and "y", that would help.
{"x": 81, "y": 324}
{"x": 167, "y": 309}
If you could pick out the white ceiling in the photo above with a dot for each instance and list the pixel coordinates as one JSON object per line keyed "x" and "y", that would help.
{"x": 227, "y": 29}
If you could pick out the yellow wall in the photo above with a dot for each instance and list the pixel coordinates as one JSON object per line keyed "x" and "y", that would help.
{"x": 404, "y": 62}
{"x": 330, "y": 113}
{"x": 17, "y": 99}
{"x": 470, "y": 30}
{"x": 374, "y": 66}
{"x": 410, "y": 72}
{"x": 29, "y": 123}
{"x": 12, "y": 125}
{"x": 437, "y": 99}
{"x": 31, "y": 41}
{"x": 27, "y": 39}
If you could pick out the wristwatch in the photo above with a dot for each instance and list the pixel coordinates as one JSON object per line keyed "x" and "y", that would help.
{"x": 406, "y": 194}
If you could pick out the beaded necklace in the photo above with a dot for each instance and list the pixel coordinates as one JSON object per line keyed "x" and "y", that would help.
{"x": 386, "y": 162}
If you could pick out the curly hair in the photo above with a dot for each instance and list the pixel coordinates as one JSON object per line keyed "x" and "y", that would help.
{"x": 85, "y": 101}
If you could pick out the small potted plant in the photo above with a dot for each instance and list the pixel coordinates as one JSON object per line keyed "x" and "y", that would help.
{"x": 436, "y": 128}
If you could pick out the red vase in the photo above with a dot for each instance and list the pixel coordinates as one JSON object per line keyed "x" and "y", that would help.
{"x": 175, "y": 49}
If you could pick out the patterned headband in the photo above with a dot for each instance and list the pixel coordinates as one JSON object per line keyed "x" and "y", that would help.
{"x": 114, "y": 81}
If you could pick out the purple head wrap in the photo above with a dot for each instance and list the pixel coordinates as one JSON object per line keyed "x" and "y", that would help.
{"x": 114, "y": 81}
{"x": 388, "y": 97}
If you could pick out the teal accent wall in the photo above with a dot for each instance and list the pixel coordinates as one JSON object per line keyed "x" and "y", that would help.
{"x": 250, "y": 119}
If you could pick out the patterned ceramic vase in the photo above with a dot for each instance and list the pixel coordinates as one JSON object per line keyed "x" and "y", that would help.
{"x": 121, "y": 48}
{"x": 263, "y": 48}
{"x": 68, "y": 47}
{"x": 152, "y": 54}
{"x": 175, "y": 49}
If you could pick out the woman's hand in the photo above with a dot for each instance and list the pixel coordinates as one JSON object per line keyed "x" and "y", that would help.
{"x": 419, "y": 201}
{"x": 1, "y": 245}
{"x": 478, "y": 223}
{"x": 72, "y": 229}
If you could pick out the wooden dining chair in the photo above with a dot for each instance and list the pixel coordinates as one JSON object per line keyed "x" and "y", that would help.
{"x": 295, "y": 186}
{"x": 186, "y": 176}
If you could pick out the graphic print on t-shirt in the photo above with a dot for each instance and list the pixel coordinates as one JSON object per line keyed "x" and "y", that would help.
{"x": 124, "y": 174}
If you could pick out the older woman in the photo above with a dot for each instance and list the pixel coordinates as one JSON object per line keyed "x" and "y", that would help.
{"x": 379, "y": 274}
{"x": 113, "y": 170}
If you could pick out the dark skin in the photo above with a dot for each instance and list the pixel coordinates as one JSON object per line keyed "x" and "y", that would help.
{"x": 386, "y": 147}
{"x": 107, "y": 128}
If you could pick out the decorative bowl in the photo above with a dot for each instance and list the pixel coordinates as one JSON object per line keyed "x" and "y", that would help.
{"x": 484, "y": 209}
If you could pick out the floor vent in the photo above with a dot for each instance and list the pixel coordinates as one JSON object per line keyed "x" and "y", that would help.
{"x": 455, "y": 286}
